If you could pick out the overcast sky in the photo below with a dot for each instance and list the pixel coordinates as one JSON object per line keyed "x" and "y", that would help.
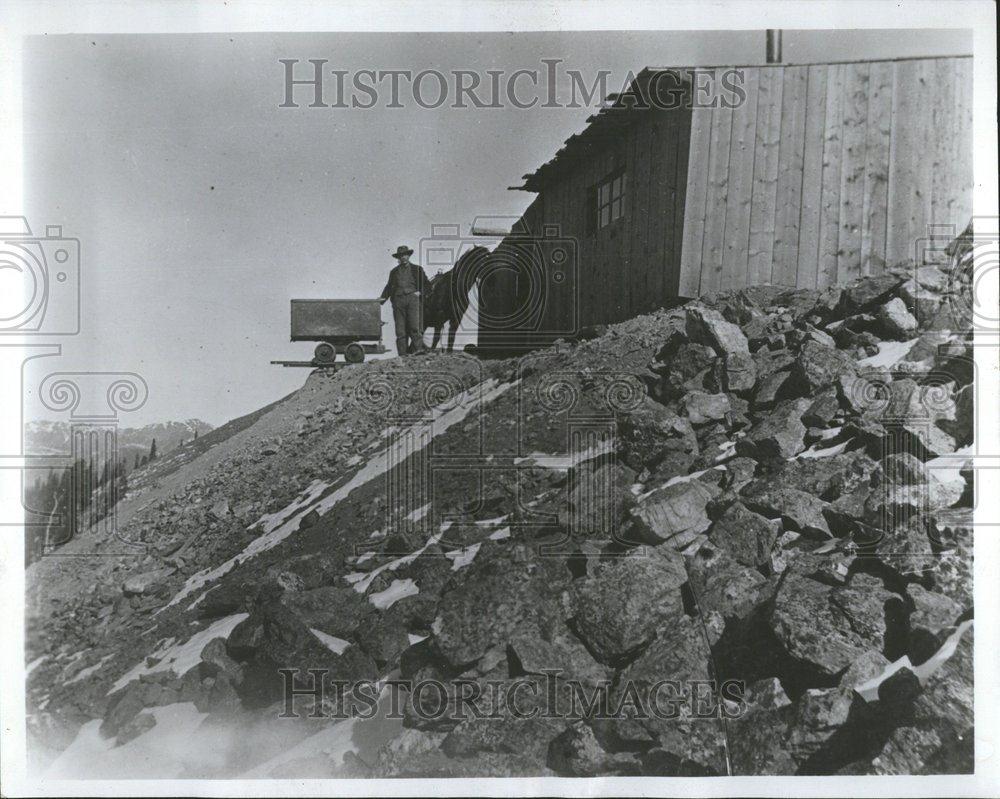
{"x": 202, "y": 206}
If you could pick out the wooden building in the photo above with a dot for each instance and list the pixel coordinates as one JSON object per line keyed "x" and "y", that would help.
{"x": 684, "y": 185}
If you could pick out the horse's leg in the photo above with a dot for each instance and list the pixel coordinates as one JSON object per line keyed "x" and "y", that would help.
{"x": 437, "y": 336}
{"x": 452, "y": 330}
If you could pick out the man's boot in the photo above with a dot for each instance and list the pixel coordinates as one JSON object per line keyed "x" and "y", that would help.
{"x": 401, "y": 346}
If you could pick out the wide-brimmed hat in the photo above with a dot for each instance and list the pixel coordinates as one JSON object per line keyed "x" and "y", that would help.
{"x": 401, "y": 250}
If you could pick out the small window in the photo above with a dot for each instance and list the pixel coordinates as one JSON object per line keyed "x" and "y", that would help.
{"x": 610, "y": 200}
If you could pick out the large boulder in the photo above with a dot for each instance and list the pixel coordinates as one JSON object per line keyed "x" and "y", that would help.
{"x": 723, "y": 586}
{"x": 272, "y": 638}
{"x": 500, "y": 598}
{"x": 937, "y": 734}
{"x": 747, "y": 536}
{"x": 818, "y": 366}
{"x": 867, "y": 292}
{"x": 707, "y": 326}
{"x": 674, "y": 514}
{"x": 827, "y": 628}
{"x": 651, "y": 431}
{"x": 895, "y": 321}
{"x": 780, "y": 434}
{"x": 703, "y": 408}
{"x": 828, "y": 478}
{"x": 653, "y": 706}
{"x": 934, "y": 617}
{"x": 796, "y": 509}
{"x": 336, "y": 610}
{"x": 575, "y": 752}
{"x": 684, "y": 369}
{"x": 618, "y": 609}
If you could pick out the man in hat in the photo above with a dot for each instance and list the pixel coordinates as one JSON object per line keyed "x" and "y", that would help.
{"x": 405, "y": 289}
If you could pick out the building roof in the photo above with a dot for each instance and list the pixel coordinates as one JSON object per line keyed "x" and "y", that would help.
{"x": 616, "y": 113}
{"x": 604, "y": 126}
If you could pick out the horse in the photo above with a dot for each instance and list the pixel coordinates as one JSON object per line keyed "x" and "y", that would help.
{"x": 447, "y": 295}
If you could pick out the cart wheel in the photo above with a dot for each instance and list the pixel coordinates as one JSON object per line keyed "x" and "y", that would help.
{"x": 325, "y": 353}
{"x": 354, "y": 353}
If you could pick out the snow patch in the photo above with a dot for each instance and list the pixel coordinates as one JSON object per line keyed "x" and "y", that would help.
{"x": 565, "y": 462}
{"x": 278, "y": 526}
{"x": 681, "y": 478}
{"x": 463, "y": 557}
{"x": 869, "y": 689}
{"x": 331, "y": 642}
{"x": 419, "y": 513}
{"x": 361, "y": 580}
{"x": 83, "y": 674}
{"x": 889, "y": 353}
{"x": 501, "y": 534}
{"x": 948, "y": 468}
{"x": 399, "y": 589}
{"x": 828, "y": 452}
{"x": 180, "y": 658}
{"x": 34, "y": 665}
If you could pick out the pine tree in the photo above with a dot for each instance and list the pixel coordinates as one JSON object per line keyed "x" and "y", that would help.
{"x": 135, "y": 465}
{"x": 152, "y": 451}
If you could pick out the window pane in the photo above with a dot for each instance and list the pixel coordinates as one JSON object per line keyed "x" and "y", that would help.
{"x": 604, "y": 216}
{"x": 616, "y": 187}
{"x": 605, "y": 194}
{"x": 616, "y": 209}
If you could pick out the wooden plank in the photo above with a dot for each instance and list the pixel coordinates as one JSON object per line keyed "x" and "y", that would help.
{"x": 682, "y": 147}
{"x": 739, "y": 201}
{"x": 567, "y": 227}
{"x": 654, "y": 225}
{"x": 715, "y": 204}
{"x": 697, "y": 193}
{"x": 789, "y": 195}
{"x": 876, "y": 196}
{"x": 922, "y": 229}
{"x": 765, "y": 175}
{"x": 942, "y": 129}
{"x": 666, "y": 143}
{"x": 638, "y": 226}
{"x": 904, "y": 153}
{"x": 962, "y": 161}
{"x": 812, "y": 178}
{"x": 852, "y": 171}
{"x": 829, "y": 219}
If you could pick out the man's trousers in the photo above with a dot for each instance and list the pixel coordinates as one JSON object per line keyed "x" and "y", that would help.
{"x": 407, "y": 315}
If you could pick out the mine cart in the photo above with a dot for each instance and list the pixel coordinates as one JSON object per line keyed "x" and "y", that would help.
{"x": 350, "y": 327}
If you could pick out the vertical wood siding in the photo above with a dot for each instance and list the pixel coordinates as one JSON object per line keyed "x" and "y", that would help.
{"x": 822, "y": 174}
{"x": 826, "y": 173}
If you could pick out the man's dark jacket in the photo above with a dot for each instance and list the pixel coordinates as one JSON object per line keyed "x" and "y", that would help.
{"x": 393, "y": 289}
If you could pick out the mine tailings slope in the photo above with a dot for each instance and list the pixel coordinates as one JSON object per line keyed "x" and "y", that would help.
{"x": 764, "y": 486}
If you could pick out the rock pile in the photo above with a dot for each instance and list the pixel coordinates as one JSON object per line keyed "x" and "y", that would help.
{"x": 761, "y": 500}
